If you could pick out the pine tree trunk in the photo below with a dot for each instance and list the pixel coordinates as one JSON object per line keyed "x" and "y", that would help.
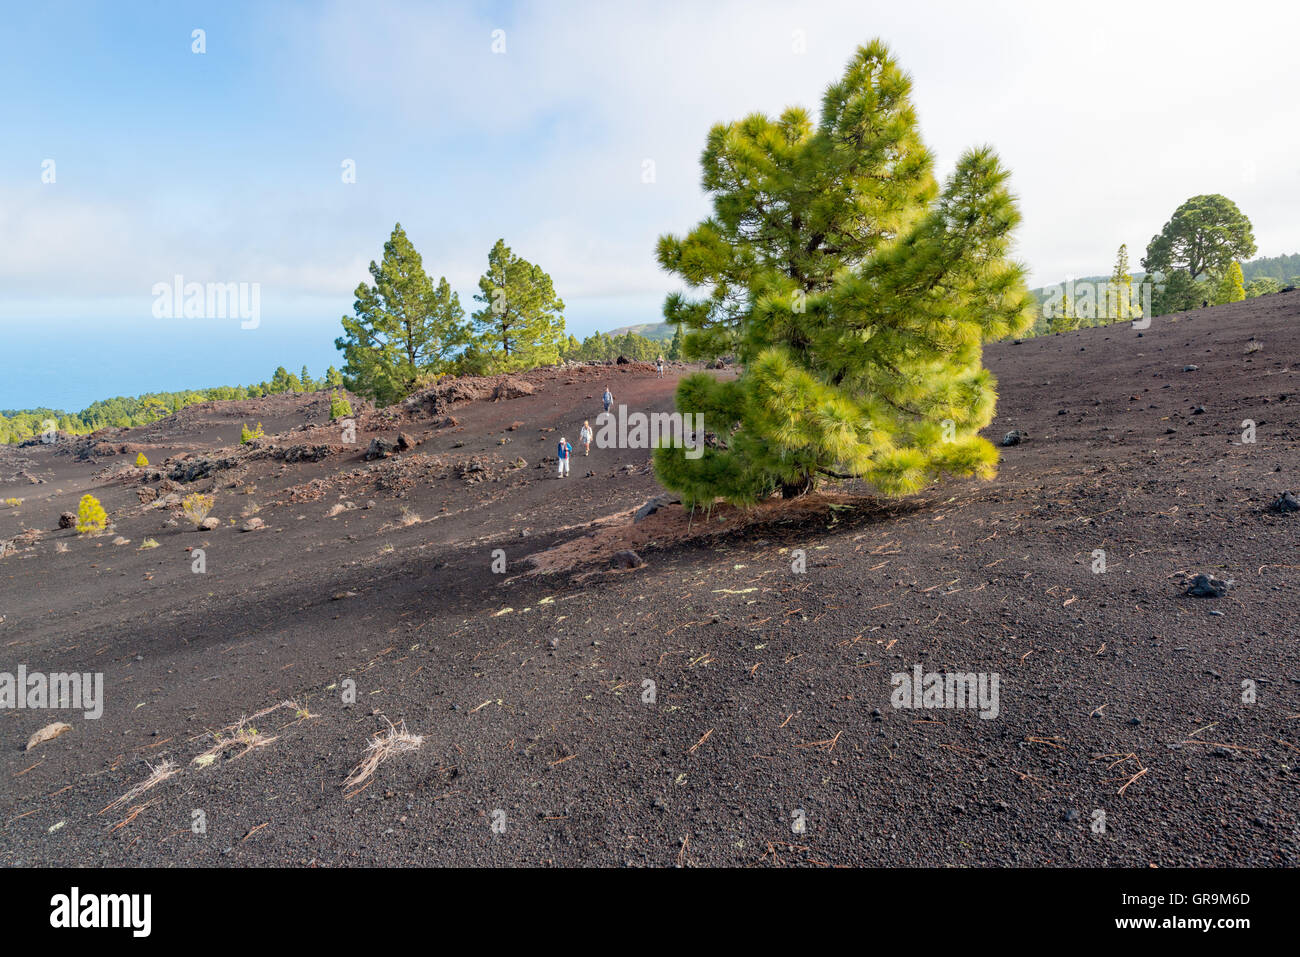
{"x": 801, "y": 486}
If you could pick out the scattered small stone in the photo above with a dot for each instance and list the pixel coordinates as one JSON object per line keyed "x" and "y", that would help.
{"x": 1190, "y": 368}
{"x": 653, "y": 505}
{"x": 380, "y": 449}
{"x": 252, "y": 525}
{"x": 68, "y": 520}
{"x": 1015, "y": 437}
{"x": 626, "y": 559}
{"x": 209, "y": 524}
{"x": 1286, "y": 502}
{"x": 1207, "y": 586}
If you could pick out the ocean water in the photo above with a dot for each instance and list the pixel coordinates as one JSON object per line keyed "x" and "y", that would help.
{"x": 69, "y": 364}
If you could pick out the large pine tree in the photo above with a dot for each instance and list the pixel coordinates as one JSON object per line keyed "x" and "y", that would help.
{"x": 1121, "y": 307}
{"x": 404, "y": 326}
{"x": 521, "y": 324}
{"x": 1204, "y": 235}
{"x": 855, "y": 292}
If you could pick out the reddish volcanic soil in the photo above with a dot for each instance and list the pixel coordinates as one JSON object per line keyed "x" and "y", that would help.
{"x": 541, "y": 742}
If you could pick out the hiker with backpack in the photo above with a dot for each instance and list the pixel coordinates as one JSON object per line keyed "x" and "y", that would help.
{"x": 659, "y": 365}
{"x": 607, "y": 398}
{"x": 562, "y": 453}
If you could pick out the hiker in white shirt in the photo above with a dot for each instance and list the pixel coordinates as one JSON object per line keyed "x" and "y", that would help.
{"x": 585, "y": 437}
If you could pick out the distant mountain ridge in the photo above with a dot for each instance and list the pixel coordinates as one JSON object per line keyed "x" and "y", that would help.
{"x": 1282, "y": 268}
{"x": 658, "y": 331}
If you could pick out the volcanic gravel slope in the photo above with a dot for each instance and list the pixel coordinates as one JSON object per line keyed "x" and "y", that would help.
{"x": 541, "y": 741}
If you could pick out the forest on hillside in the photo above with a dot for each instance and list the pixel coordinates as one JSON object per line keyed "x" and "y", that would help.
{"x": 19, "y": 425}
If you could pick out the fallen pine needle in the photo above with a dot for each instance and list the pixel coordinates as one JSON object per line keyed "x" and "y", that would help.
{"x": 1132, "y": 779}
{"x": 701, "y": 741}
{"x": 252, "y": 832}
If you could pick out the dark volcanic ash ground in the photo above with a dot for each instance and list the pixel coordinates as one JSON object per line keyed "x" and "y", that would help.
{"x": 770, "y": 737}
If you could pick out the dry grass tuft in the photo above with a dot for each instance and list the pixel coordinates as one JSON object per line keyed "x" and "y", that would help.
{"x": 156, "y": 776}
{"x": 385, "y": 744}
{"x": 248, "y": 738}
{"x": 196, "y": 507}
{"x": 242, "y": 733}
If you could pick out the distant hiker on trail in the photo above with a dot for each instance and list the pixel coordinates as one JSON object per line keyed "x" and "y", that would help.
{"x": 659, "y": 364}
{"x": 607, "y": 398}
{"x": 585, "y": 437}
{"x": 563, "y": 454}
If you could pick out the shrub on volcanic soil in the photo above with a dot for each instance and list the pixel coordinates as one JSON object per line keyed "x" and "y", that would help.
{"x": 1231, "y": 287}
{"x": 196, "y": 507}
{"x": 247, "y": 435}
{"x": 91, "y": 517}
{"x": 857, "y": 295}
{"x": 340, "y": 408}
{"x": 141, "y": 461}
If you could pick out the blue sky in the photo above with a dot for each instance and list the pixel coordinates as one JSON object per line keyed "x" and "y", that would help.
{"x": 225, "y": 166}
